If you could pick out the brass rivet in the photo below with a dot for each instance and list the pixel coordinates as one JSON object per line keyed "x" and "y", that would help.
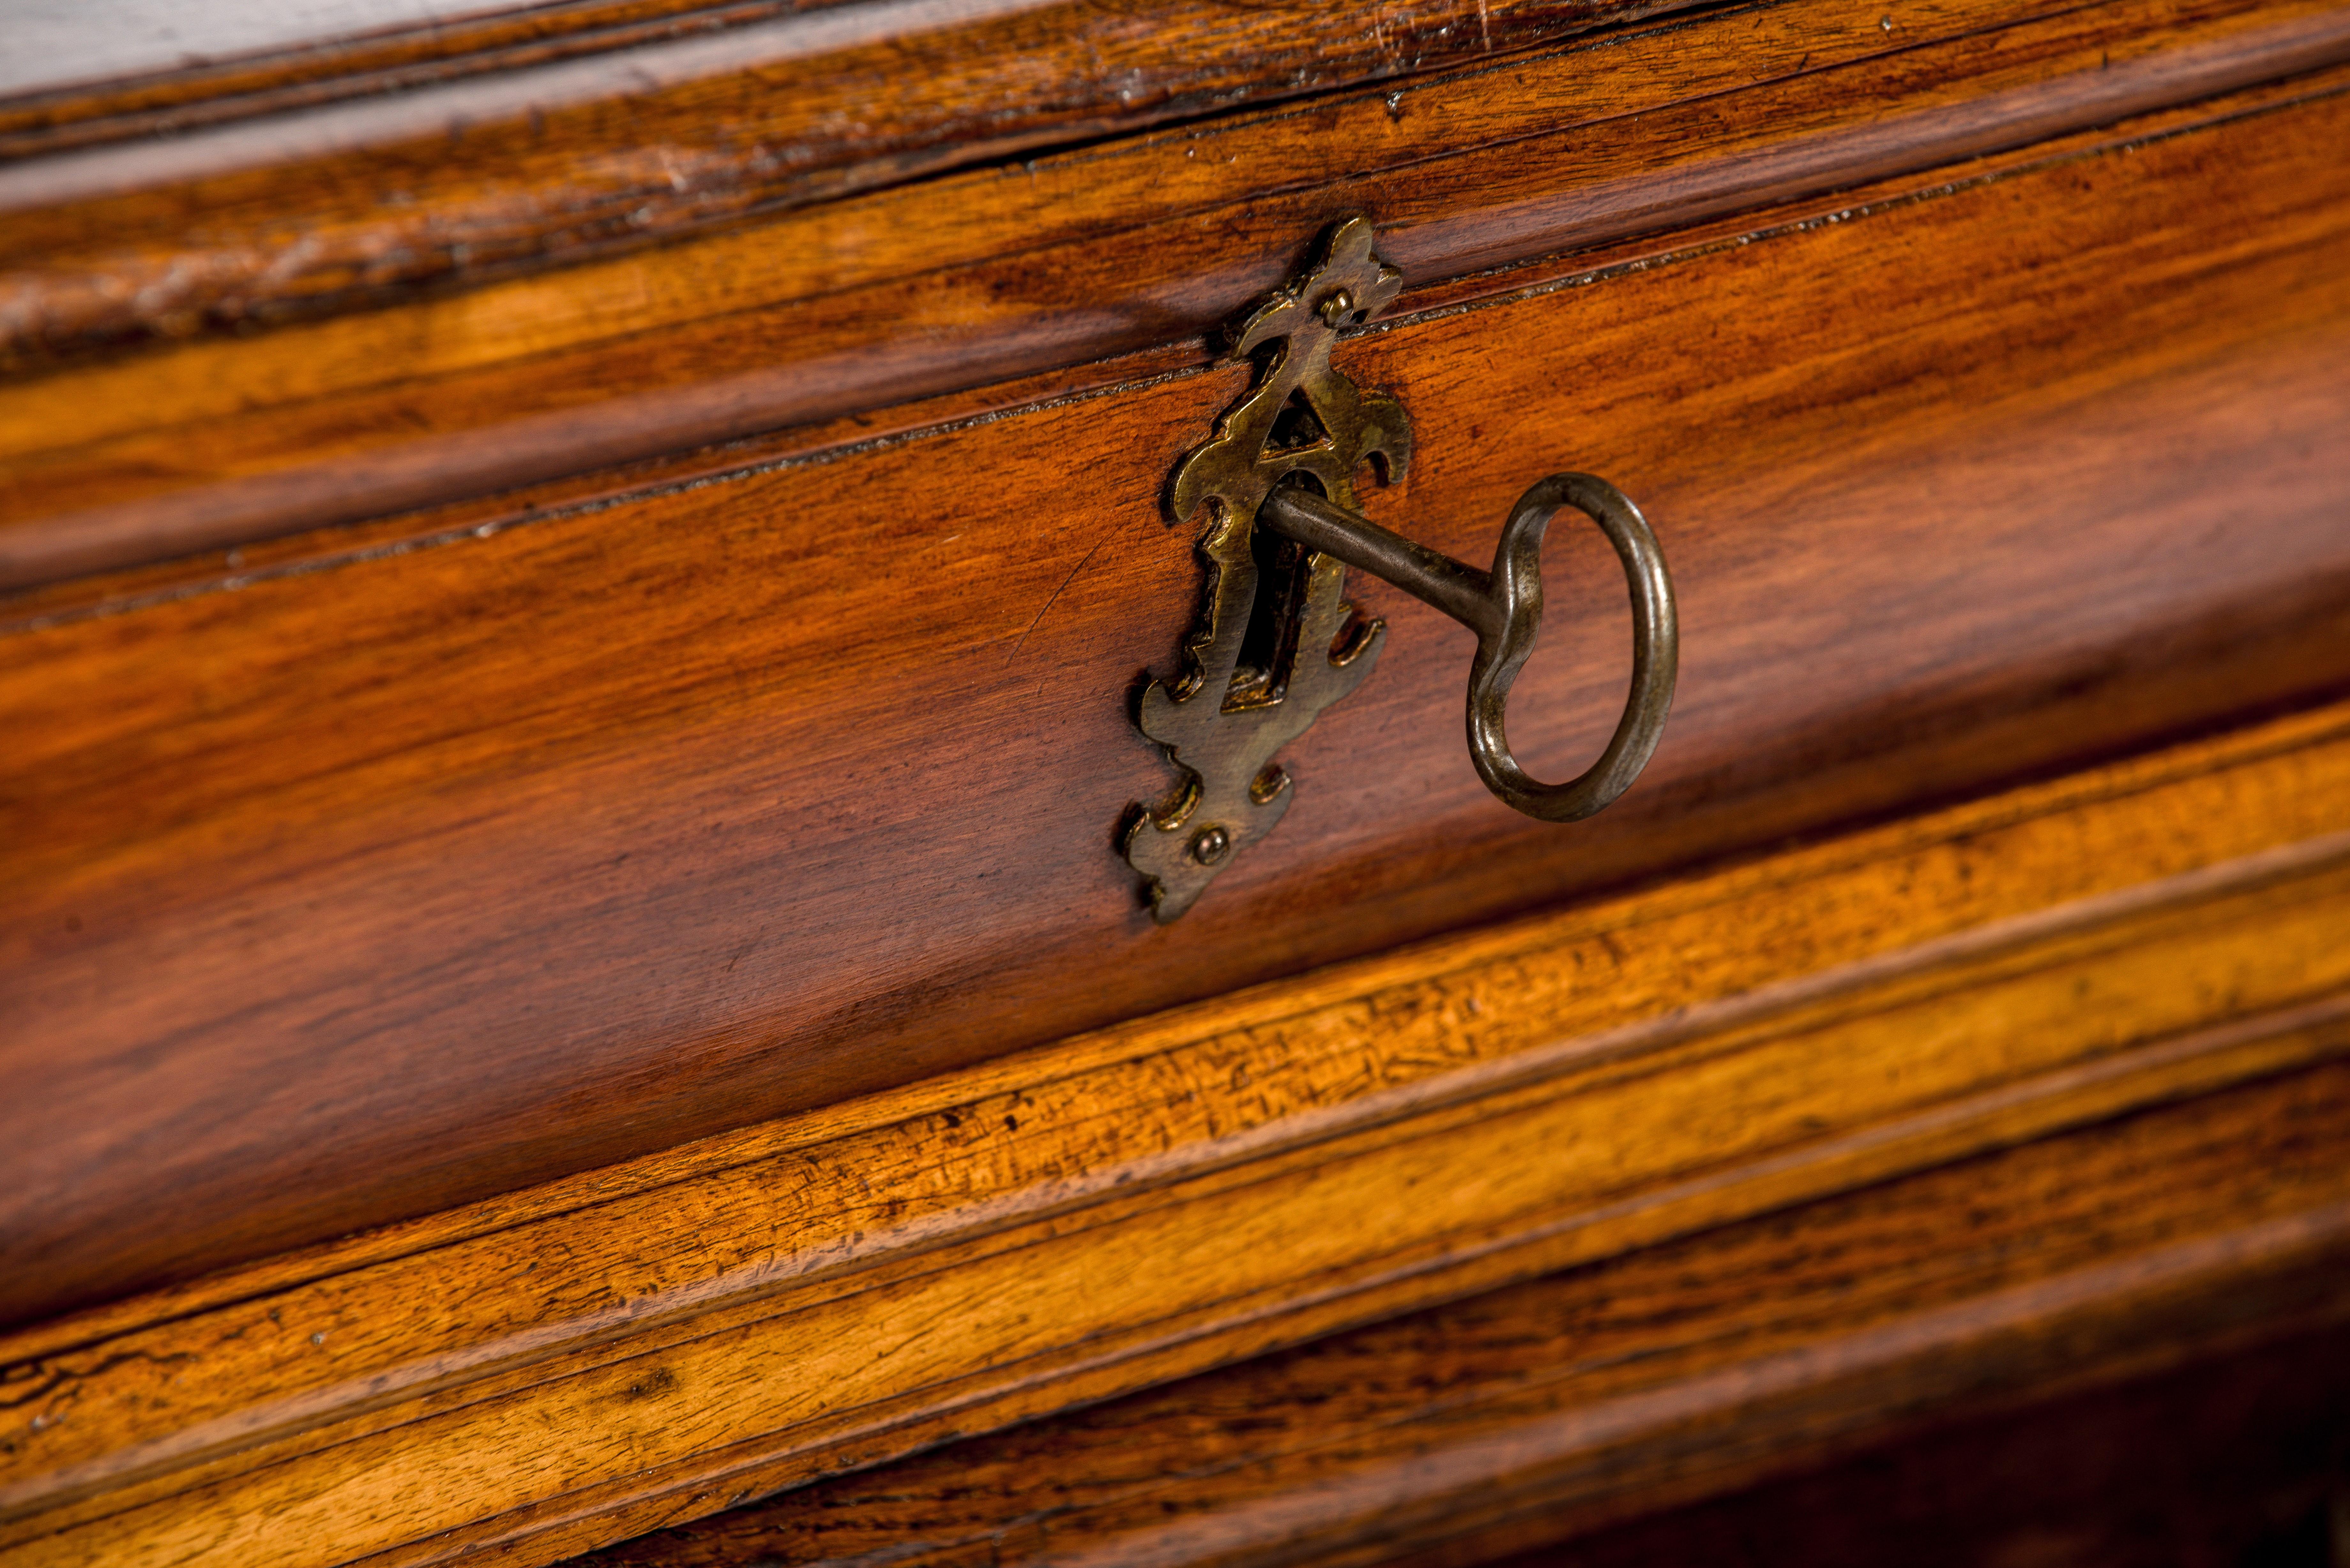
{"x": 1208, "y": 845}
{"x": 1335, "y": 309}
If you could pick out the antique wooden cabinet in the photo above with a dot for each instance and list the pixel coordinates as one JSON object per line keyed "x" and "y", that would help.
{"x": 610, "y": 612}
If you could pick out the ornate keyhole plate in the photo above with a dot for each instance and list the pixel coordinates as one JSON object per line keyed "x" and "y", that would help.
{"x": 1255, "y": 676}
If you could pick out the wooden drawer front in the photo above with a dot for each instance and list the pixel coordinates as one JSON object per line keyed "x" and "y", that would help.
{"x": 206, "y": 433}
{"x": 2155, "y": 942}
{"x": 387, "y": 873}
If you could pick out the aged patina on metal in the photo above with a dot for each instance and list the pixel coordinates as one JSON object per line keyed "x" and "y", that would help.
{"x": 1254, "y": 679}
{"x": 1275, "y": 646}
{"x": 1503, "y": 607}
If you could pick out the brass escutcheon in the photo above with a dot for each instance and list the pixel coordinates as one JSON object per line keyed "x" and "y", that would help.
{"x": 1278, "y": 643}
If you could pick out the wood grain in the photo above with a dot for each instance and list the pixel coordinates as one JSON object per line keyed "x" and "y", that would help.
{"x": 535, "y": 844}
{"x": 562, "y": 1368}
{"x": 301, "y": 54}
{"x": 2251, "y": 1466}
{"x": 1635, "y": 1386}
{"x": 460, "y": 174}
{"x": 958, "y": 283}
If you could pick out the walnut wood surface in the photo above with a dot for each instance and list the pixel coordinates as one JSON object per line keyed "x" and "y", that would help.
{"x": 957, "y": 283}
{"x": 1636, "y": 1385}
{"x": 365, "y": 884}
{"x": 559, "y": 1369}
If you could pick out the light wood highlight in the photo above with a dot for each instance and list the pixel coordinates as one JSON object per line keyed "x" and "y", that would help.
{"x": 565, "y": 1367}
{"x": 1542, "y": 1413}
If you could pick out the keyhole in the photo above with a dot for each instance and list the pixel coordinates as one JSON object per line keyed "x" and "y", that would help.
{"x": 1269, "y": 647}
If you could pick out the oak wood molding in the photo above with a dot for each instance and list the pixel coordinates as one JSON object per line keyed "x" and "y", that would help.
{"x": 570, "y": 1366}
{"x": 1110, "y": 250}
{"x": 1987, "y": 1291}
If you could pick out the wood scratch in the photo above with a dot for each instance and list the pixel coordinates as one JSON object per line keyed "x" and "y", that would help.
{"x": 1055, "y": 599}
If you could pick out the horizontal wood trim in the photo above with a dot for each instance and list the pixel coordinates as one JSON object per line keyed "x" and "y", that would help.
{"x": 1635, "y": 1386}
{"x": 1084, "y": 256}
{"x": 310, "y": 66}
{"x": 587, "y": 824}
{"x": 568, "y": 1366}
{"x": 332, "y": 192}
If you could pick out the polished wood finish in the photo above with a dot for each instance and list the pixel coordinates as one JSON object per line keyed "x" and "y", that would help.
{"x": 562, "y": 1367}
{"x": 359, "y": 885}
{"x": 958, "y": 283}
{"x": 572, "y": 588}
{"x": 404, "y": 163}
{"x": 1549, "y": 1411}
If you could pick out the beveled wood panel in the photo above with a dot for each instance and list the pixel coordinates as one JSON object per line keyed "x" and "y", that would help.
{"x": 1138, "y": 245}
{"x": 368, "y": 884}
{"x": 1637, "y": 1386}
{"x": 565, "y": 1366}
